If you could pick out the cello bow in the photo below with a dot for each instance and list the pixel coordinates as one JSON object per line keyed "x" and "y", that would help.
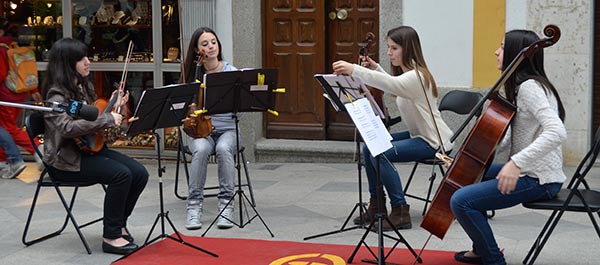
{"x": 476, "y": 152}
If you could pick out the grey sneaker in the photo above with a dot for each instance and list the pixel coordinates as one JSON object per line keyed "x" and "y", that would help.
{"x": 14, "y": 170}
{"x": 224, "y": 221}
{"x": 194, "y": 215}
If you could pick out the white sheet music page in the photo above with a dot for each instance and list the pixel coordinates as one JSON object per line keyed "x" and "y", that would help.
{"x": 371, "y": 128}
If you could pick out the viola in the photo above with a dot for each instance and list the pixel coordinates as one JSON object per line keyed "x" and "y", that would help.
{"x": 376, "y": 93}
{"x": 197, "y": 125}
{"x": 476, "y": 153}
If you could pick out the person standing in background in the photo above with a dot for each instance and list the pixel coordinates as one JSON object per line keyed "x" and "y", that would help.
{"x": 9, "y": 117}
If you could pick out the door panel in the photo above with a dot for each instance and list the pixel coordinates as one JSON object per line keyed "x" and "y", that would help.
{"x": 293, "y": 42}
{"x": 300, "y": 41}
{"x": 346, "y": 36}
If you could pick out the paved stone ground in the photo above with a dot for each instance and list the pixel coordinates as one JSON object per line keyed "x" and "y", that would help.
{"x": 295, "y": 200}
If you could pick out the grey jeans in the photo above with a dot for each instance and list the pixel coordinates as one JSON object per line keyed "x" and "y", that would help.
{"x": 223, "y": 145}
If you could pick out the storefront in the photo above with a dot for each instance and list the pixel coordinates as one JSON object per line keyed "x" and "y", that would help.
{"x": 107, "y": 27}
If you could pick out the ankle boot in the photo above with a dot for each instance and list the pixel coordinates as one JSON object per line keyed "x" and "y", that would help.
{"x": 371, "y": 211}
{"x": 400, "y": 218}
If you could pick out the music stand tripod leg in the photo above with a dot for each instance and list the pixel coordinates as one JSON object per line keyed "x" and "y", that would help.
{"x": 181, "y": 156}
{"x": 239, "y": 192}
{"x": 162, "y": 215}
{"x": 360, "y": 205}
{"x": 380, "y": 217}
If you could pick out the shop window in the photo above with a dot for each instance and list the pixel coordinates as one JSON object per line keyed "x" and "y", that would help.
{"x": 37, "y": 24}
{"x": 108, "y": 26}
{"x": 106, "y": 82}
{"x": 171, "y": 32}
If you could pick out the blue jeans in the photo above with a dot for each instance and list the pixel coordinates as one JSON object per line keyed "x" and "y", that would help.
{"x": 11, "y": 150}
{"x": 470, "y": 203}
{"x": 223, "y": 145}
{"x": 405, "y": 149}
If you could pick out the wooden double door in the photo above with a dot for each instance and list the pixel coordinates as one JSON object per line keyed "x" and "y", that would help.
{"x": 302, "y": 38}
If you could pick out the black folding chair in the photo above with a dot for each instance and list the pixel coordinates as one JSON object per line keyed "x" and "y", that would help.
{"x": 34, "y": 124}
{"x": 457, "y": 101}
{"x": 573, "y": 198}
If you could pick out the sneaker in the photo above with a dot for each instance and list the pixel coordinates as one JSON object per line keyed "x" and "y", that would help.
{"x": 194, "y": 215}
{"x": 224, "y": 221}
{"x": 14, "y": 170}
{"x": 38, "y": 159}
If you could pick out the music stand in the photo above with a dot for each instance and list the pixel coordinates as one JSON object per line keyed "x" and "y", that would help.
{"x": 344, "y": 92}
{"x": 248, "y": 90}
{"x": 340, "y": 90}
{"x": 163, "y": 107}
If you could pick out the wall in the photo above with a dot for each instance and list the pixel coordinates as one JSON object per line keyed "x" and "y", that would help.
{"x": 569, "y": 65}
{"x": 446, "y": 31}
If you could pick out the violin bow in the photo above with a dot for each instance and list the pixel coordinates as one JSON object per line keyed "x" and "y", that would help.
{"x": 125, "y": 70}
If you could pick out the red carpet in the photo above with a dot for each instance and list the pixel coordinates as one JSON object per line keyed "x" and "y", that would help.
{"x": 233, "y": 251}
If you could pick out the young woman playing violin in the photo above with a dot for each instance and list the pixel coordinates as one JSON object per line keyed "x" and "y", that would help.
{"x": 66, "y": 80}
{"x": 414, "y": 88}
{"x": 222, "y": 140}
{"x": 534, "y": 170}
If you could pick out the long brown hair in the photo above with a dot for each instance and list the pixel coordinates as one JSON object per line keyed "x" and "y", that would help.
{"x": 412, "y": 54}
{"x": 191, "y": 57}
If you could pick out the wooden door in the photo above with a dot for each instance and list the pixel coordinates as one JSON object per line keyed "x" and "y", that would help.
{"x": 294, "y": 43}
{"x": 301, "y": 40}
{"x": 348, "y": 23}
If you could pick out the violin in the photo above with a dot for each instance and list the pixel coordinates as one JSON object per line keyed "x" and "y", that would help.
{"x": 93, "y": 143}
{"x": 197, "y": 125}
{"x": 476, "y": 153}
{"x": 376, "y": 93}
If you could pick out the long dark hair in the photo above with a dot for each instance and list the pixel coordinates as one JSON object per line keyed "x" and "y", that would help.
{"x": 533, "y": 68}
{"x": 191, "y": 57}
{"x": 62, "y": 71}
{"x": 412, "y": 54}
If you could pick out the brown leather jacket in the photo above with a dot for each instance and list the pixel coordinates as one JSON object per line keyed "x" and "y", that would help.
{"x": 60, "y": 150}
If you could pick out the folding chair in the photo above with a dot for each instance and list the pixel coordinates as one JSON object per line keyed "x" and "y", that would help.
{"x": 573, "y": 198}
{"x": 181, "y": 157}
{"x": 34, "y": 124}
{"x": 457, "y": 101}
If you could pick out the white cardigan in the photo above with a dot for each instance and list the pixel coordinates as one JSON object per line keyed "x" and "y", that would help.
{"x": 411, "y": 102}
{"x": 536, "y": 134}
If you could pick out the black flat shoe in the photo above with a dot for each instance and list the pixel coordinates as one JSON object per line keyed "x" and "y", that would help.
{"x": 123, "y": 250}
{"x": 128, "y": 237}
{"x": 460, "y": 257}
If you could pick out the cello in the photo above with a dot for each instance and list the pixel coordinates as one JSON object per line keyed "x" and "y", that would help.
{"x": 476, "y": 153}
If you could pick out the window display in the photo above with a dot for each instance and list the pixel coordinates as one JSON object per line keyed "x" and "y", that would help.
{"x": 37, "y": 24}
{"x": 108, "y": 26}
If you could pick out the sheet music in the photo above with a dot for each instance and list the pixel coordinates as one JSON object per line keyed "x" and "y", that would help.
{"x": 371, "y": 128}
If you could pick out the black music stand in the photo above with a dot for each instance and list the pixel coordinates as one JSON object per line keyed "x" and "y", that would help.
{"x": 338, "y": 90}
{"x": 341, "y": 90}
{"x": 163, "y": 107}
{"x": 232, "y": 92}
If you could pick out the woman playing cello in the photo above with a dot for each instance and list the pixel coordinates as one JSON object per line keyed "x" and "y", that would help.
{"x": 534, "y": 170}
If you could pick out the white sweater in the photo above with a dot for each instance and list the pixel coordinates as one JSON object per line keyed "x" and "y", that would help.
{"x": 411, "y": 102}
{"x": 536, "y": 134}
